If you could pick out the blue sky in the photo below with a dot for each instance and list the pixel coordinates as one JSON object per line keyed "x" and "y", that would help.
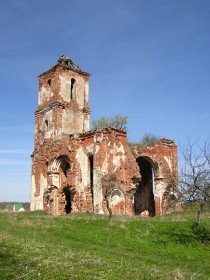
{"x": 149, "y": 60}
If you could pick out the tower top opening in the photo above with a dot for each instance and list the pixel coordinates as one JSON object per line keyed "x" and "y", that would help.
{"x": 66, "y": 61}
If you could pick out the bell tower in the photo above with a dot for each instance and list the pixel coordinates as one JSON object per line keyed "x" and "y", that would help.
{"x": 62, "y": 111}
{"x": 62, "y": 101}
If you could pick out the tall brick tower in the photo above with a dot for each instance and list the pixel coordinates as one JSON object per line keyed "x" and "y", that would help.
{"x": 62, "y": 110}
{"x": 62, "y": 101}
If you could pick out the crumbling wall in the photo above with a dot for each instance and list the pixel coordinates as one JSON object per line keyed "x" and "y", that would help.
{"x": 77, "y": 170}
{"x": 162, "y": 158}
{"x": 113, "y": 160}
{"x": 111, "y": 157}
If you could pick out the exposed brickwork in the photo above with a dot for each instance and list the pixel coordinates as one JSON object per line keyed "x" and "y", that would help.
{"x": 163, "y": 159}
{"x": 74, "y": 169}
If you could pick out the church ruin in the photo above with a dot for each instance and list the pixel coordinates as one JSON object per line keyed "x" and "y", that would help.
{"x": 75, "y": 169}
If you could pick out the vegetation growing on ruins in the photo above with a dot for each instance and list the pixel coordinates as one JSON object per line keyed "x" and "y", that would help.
{"x": 148, "y": 140}
{"x": 117, "y": 121}
{"x": 36, "y": 245}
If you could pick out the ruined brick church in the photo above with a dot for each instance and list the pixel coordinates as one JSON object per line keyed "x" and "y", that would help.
{"x": 75, "y": 169}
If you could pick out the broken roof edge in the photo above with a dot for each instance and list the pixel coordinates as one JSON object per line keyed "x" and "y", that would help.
{"x": 159, "y": 141}
{"x": 52, "y": 69}
{"x": 166, "y": 142}
{"x": 65, "y": 62}
{"x": 108, "y": 128}
{"x": 102, "y": 130}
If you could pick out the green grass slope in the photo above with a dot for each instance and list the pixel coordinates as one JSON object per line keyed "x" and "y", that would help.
{"x": 37, "y": 245}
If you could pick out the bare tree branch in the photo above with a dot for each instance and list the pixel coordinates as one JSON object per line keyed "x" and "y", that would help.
{"x": 194, "y": 180}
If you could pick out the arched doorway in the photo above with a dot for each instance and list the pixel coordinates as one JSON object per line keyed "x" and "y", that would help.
{"x": 144, "y": 202}
{"x": 61, "y": 166}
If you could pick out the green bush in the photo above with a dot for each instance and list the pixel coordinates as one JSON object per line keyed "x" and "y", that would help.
{"x": 117, "y": 121}
{"x": 201, "y": 232}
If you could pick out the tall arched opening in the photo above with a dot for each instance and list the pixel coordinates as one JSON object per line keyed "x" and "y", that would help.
{"x": 144, "y": 202}
{"x": 90, "y": 162}
{"x": 72, "y": 89}
{"x": 62, "y": 165}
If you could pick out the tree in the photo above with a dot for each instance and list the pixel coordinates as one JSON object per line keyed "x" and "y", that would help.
{"x": 108, "y": 185}
{"x": 195, "y": 175}
{"x": 149, "y": 139}
{"x": 118, "y": 121}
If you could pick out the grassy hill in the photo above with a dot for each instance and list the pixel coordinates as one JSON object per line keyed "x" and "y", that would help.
{"x": 37, "y": 245}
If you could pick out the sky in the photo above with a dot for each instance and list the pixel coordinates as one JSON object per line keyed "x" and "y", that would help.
{"x": 148, "y": 59}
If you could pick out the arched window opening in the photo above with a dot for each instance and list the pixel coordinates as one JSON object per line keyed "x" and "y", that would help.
{"x": 46, "y": 125}
{"x": 65, "y": 166}
{"x": 49, "y": 83}
{"x": 72, "y": 93}
{"x": 62, "y": 165}
{"x": 62, "y": 162}
{"x": 47, "y": 164}
{"x": 90, "y": 158}
{"x": 144, "y": 202}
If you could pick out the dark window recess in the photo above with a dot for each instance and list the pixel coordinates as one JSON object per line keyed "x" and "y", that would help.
{"x": 46, "y": 125}
{"x": 91, "y": 175}
{"x": 72, "y": 93}
{"x": 144, "y": 196}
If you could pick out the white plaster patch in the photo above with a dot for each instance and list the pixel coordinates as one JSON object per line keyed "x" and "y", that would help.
{"x": 79, "y": 90}
{"x": 105, "y": 165}
{"x": 65, "y": 87}
{"x": 159, "y": 191}
{"x": 98, "y": 137}
{"x": 48, "y": 129}
{"x": 67, "y": 121}
{"x": 44, "y": 95}
{"x": 38, "y": 201}
{"x": 116, "y": 197}
{"x": 97, "y": 148}
{"x": 55, "y": 179}
{"x": 168, "y": 161}
{"x": 116, "y": 157}
{"x": 86, "y": 124}
{"x": 83, "y": 162}
{"x": 33, "y": 186}
{"x": 98, "y": 196}
{"x": 89, "y": 149}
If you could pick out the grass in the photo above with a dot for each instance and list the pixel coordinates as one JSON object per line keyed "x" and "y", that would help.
{"x": 36, "y": 245}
